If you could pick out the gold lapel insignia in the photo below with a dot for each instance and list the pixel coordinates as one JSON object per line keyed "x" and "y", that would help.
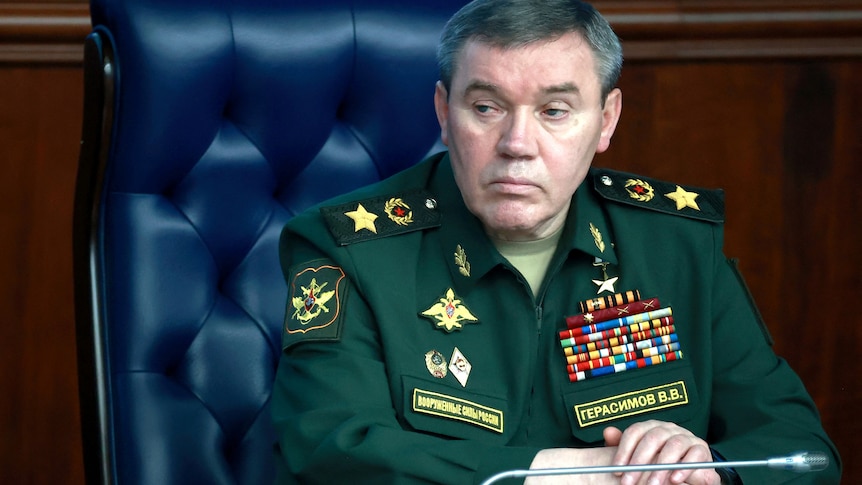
{"x": 683, "y": 199}
{"x": 461, "y": 261}
{"x": 362, "y": 219}
{"x": 597, "y": 236}
{"x": 398, "y": 211}
{"x": 639, "y": 190}
{"x": 436, "y": 363}
{"x": 460, "y": 367}
{"x": 449, "y": 313}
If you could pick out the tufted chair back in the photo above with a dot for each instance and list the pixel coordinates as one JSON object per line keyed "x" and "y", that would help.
{"x": 207, "y": 125}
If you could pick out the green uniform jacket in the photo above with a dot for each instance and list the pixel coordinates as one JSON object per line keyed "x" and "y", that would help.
{"x": 391, "y": 286}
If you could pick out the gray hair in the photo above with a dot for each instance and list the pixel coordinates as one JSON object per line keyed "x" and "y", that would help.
{"x": 517, "y": 23}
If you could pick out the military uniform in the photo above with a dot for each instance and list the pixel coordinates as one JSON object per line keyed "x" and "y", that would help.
{"x": 414, "y": 352}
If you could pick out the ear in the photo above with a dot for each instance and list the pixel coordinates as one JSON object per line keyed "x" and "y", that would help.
{"x": 441, "y": 106}
{"x": 610, "y": 116}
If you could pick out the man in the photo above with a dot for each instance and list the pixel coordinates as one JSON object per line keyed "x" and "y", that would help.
{"x": 539, "y": 316}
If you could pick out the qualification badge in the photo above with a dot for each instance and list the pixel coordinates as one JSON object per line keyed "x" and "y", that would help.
{"x": 436, "y": 364}
{"x": 460, "y": 367}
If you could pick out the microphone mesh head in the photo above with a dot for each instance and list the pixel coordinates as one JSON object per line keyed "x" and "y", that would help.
{"x": 817, "y": 461}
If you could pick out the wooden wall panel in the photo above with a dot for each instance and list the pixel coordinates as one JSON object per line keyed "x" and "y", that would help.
{"x": 39, "y": 131}
{"x": 782, "y": 139}
{"x": 760, "y": 97}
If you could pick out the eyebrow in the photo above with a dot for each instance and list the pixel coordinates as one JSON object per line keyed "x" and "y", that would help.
{"x": 480, "y": 86}
{"x": 565, "y": 88}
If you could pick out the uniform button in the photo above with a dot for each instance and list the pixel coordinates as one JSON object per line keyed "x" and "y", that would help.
{"x": 607, "y": 180}
{"x": 431, "y": 204}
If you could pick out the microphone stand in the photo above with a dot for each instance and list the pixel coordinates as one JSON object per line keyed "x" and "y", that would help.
{"x": 799, "y": 462}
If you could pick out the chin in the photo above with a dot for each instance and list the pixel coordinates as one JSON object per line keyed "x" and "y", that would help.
{"x": 506, "y": 224}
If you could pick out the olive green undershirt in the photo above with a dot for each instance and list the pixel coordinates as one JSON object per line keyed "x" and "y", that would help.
{"x": 531, "y": 258}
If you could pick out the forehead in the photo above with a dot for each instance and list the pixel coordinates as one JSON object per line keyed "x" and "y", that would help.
{"x": 567, "y": 59}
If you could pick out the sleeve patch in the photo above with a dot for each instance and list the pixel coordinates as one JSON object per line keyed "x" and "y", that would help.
{"x": 681, "y": 200}
{"x": 315, "y": 303}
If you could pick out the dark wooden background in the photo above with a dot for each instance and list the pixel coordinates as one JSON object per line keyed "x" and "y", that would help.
{"x": 760, "y": 97}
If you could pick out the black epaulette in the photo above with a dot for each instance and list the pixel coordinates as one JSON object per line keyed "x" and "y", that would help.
{"x": 379, "y": 217}
{"x": 670, "y": 198}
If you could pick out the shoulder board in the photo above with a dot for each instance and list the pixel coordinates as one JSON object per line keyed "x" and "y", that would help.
{"x": 383, "y": 216}
{"x": 657, "y": 195}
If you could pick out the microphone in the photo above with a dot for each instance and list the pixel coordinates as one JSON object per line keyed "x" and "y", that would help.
{"x": 800, "y": 462}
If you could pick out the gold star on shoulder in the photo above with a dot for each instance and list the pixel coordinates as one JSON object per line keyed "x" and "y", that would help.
{"x": 683, "y": 198}
{"x": 362, "y": 219}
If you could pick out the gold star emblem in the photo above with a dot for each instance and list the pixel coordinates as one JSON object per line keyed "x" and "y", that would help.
{"x": 362, "y": 219}
{"x": 683, "y": 198}
{"x": 606, "y": 285}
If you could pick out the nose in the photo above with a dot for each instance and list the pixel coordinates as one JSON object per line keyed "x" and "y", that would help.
{"x": 518, "y": 136}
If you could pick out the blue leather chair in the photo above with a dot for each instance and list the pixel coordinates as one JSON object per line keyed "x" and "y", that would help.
{"x": 207, "y": 125}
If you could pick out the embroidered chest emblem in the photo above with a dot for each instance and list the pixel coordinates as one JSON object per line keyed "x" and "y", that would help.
{"x": 449, "y": 313}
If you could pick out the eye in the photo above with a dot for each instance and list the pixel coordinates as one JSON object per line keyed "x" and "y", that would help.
{"x": 485, "y": 108}
{"x": 556, "y": 113}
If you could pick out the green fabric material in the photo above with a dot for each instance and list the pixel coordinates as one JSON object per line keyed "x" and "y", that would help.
{"x": 345, "y": 406}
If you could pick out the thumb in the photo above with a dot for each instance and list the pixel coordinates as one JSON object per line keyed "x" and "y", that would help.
{"x": 612, "y": 436}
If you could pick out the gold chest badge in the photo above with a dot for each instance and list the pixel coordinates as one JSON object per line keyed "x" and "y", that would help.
{"x": 449, "y": 313}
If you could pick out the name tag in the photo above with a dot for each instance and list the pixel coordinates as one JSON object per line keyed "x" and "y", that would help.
{"x": 451, "y": 407}
{"x": 631, "y": 404}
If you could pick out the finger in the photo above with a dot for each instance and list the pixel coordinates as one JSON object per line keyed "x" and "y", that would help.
{"x": 697, "y": 453}
{"x": 678, "y": 446}
{"x": 629, "y": 441}
{"x": 612, "y": 436}
{"x": 639, "y": 445}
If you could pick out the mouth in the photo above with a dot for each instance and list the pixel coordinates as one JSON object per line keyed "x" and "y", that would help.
{"x": 512, "y": 185}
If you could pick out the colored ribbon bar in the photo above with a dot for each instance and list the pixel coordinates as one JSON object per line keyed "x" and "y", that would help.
{"x": 634, "y": 364}
{"x": 619, "y": 322}
{"x": 623, "y": 358}
{"x": 618, "y": 311}
{"x": 602, "y": 302}
{"x": 665, "y": 327}
{"x": 614, "y": 332}
{"x": 619, "y": 349}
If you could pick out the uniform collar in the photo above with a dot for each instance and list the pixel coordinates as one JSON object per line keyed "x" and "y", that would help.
{"x": 587, "y": 226}
{"x": 477, "y": 255}
{"x": 461, "y": 229}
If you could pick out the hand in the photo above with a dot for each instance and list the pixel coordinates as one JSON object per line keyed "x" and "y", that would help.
{"x": 569, "y": 458}
{"x": 650, "y": 442}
